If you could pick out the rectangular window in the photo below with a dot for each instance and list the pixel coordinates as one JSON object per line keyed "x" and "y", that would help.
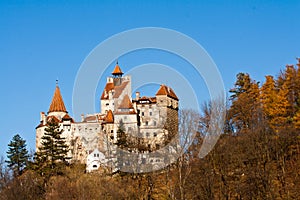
{"x": 142, "y": 113}
{"x": 143, "y": 160}
{"x": 150, "y": 113}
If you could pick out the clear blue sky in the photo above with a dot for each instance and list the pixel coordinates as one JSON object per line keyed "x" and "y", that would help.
{"x": 42, "y": 41}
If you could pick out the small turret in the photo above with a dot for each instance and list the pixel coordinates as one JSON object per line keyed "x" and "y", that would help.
{"x": 117, "y": 75}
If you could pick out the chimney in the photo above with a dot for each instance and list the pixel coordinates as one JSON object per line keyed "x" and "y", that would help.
{"x": 137, "y": 95}
{"x": 43, "y": 118}
{"x": 110, "y": 95}
{"x": 82, "y": 117}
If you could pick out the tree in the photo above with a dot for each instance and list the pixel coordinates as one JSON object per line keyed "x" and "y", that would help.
{"x": 53, "y": 149}
{"x": 122, "y": 144}
{"x": 17, "y": 155}
{"x": 121, "y": 135}
{"x": 274, "y": 103}
{"x": 245, "y": 112}
{"x": 287, "y": 80}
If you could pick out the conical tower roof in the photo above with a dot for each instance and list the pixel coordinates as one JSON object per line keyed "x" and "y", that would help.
{"x": 117, "y": 70}
{"x": 57, "y": 104}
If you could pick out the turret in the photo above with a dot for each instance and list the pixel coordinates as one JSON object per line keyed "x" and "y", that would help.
{"x": 57, "y": 107}
{"x": 117, "y": 75}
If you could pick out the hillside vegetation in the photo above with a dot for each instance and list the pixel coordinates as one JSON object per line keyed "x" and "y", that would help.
{"x": 257, "y": 156}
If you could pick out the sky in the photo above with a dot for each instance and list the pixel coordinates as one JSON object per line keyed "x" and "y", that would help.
{"x": 41, "y": 41}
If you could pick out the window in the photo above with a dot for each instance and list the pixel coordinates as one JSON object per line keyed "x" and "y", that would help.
{"x": 111, "y": 131}
{"x": 94, "y": 155}
{"x": 107, "y": 104}
{"x": 154, "y": 123}
{"x": 98, "y": 155}
{"x": 154, "y": 134}
{"x": 143, "y": 160}
{"x": 142, "y": 113}
{"x": 94, "y": 166}
{"x": 150, "y": 113}
{"x": 147, "y": 134}
{"x": 146, "y": 123}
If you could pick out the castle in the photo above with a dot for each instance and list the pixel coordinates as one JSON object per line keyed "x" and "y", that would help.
{"x": 147, "y": 123}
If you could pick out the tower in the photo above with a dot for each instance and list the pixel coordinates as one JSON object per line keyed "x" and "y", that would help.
{"x": 57, "y": 112}
{"x": 57, "y": 107}
{"x": 117, "y": 75}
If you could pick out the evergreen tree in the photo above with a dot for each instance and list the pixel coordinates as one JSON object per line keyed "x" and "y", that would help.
{"x": 17, "y": 155}
{"x": 121, "y": 135}
{"x": 122, "y": 144}
{"x": 244, "y": 111}
{"x": 53, "y": 149}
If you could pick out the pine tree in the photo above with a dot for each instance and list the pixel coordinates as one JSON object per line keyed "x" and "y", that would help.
{"x": 244, "y": 111}
{"x": 53, "y": 149}
{"x": 122, "y": 144}
{"x": 17, "y": 155}
{"x": 121, "y": 135}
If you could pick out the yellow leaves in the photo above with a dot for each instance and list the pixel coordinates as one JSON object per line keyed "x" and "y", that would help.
{"x": 274, "y": 103}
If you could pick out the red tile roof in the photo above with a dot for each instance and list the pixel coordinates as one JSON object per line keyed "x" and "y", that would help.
{"x": 50, "y": 118}
{"x": 109, "y": 118}
{"x": 126, "y": 103}
{"x": 165, "y": 90}
{"x": 125, "y": 112}
{"x": 57, "y": 104}
{"x": 150, "y": 99}
{"x": 117, "y": 70}
{"x": 108, "y": 87}
{"x": 67, "y": 117}
{"x": 91, "y": 118}
{"x": 117, "y": 90}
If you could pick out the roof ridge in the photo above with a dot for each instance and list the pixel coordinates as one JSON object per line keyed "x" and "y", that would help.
{"x": 126, "y": 103}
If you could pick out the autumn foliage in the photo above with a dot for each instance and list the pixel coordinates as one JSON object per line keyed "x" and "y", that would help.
{"x": 257, "y": 156}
